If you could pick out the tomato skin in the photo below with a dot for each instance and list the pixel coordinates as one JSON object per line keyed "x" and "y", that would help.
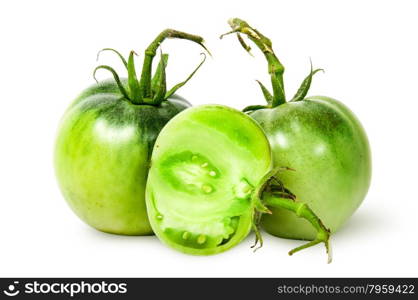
{"x": 324, "y": 142}
{"x": 102, "y": 156}
{"x": 205, "y": 165}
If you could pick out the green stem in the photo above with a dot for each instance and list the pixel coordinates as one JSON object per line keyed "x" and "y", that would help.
{"x": 179, "y": 85}
{"x": 161, "y": 85}
{"x": 275, "y": 68}
{"x": 301, "y": 210}
{"x": 258, "y": 243}
{"x": 156, "y": 79}
{"x": 125, "y": 63}
{"x": 115, "y": 76}
{"x": 132, "y": 80}
{"x": 305, "y": 86}
{"x": 150, "y": 52}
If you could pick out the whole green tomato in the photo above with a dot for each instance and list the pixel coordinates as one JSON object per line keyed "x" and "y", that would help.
{"x": 318, "y": 137}
{"x": 328, "y": 148}
{"x": 105, "y": 139}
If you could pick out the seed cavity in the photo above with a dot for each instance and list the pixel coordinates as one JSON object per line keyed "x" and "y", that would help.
{"x": 206, "y": 188}
{"x": 243, "y": 189}
{"x": 247, "y": 189}
{"x": 201, "y": 239}
{"x": 185, "y": 235}
{"x": 189, "y": 172}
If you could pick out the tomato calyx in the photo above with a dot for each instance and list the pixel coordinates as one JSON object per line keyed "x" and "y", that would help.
{"x": 150, "y": 90}
{"x": 271, "y": 192}
{"x": 306, "y": 84}
{"x": 275, "y": 67}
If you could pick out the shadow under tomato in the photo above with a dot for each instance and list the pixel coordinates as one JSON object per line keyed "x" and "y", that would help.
{"x": 364, "y": 222}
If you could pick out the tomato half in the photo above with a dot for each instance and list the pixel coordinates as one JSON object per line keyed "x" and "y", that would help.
{"x": 205, "y": 165}
{"x": 210, "y": 180}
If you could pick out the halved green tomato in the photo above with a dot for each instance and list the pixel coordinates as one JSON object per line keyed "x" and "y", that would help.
{"x": 205, "y": 166}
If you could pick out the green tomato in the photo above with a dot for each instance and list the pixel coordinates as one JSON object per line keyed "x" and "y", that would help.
{"x": 326, "y": 145}
{"x": 209, "y": 166}
{"x": 104, "y": 143}
{"x": 318, "y": 137}
{"x": 102, "y": 157}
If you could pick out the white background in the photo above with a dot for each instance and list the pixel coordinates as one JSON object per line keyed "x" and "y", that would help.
{"x": 369, "y": 50}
